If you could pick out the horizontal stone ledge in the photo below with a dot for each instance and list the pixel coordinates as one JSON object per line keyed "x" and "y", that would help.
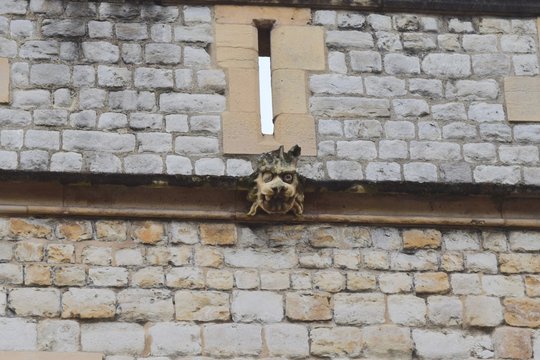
{"x": 245, "y": 183}
{"x": 230, "y": 204}
{"x": 527, "y": 8}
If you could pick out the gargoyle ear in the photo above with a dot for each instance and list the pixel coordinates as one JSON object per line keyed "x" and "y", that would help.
{"x": 281, "y": 152}
{"x": 295, "y": 151}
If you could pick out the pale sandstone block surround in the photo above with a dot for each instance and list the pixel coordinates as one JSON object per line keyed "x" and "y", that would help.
{"x": 522, "y": 95}
{"x": 4, "y": 80}
{"x": 296, "y": 48}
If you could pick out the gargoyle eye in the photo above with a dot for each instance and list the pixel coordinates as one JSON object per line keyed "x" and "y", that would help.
{"x": 288, "y": 178}
{"x": 267, "y": 176}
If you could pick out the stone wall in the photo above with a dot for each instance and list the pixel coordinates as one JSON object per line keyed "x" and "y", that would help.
{"x": 134, "y": 88}
{"x": 177, "y": 290}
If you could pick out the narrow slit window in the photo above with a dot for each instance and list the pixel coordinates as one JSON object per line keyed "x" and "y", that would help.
{"x": 265, "y": 78}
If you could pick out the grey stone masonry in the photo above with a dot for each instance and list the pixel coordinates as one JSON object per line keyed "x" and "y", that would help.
{"x": 442, "y": 79}
{"x": 134, "y": 87}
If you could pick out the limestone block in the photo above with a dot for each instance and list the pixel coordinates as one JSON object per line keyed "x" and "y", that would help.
{"x": 336, "y": 342}
{"x": 208, "y": 257}
{"x": 308, "y": 307}
{"x": 366, "y": 61}
{"x": 499, "y": 285}
{"x": 251, "y": 258}
{"x": 329, "y": 280}
{"x": 512, "y": 343}
{"x": 395, "y": 283}
{"x": 521, "y": 96}
{"x": 482, "y": 311}
{"x": 289, "y": 340}
{"x": 174, "y": 339}
{"x": 75, "y": 230}
{"x": 29, "y": 251}
{"x": 24, "y": 228}
{"x": 18, "y": 334}
{"x": 278, "y": 280}
{"x": 519, "y": 263}
{"x": 162, "y": 53}
{"x": 218, "y": 234}
{"x": 447, "y": 65}
{"x": 524, "y": 240}
{"x": 301, "y": 280}
{"x": 37, "y": 275}
{"x": 407, "y": 310}
{"x": 246, "y": 279}
{"x": 339, "y": 106}
{"x": 185, "y": 277}
{"x": 159, "y": 255}
{"x": 148, "y": 232}
{"x": 181, "y": 102}
{"x": 145, "y": 305}
{"x": 219, "y": 279}
{"x": 148, "y": 277}
{"x": 196, "y": 145}
{"x": 421, "y": 260}
{"x": 97, "y": 255}
{"x": 358, "y": 309}
{"x": 346, "y": 259}
{"x": 298, "y": 47}
{"x": 35, "y": 302}
{"x": 128, "y": 257}
{"x": 201, "y": 306}
{"x": 232, "y": 339}
{"x": 532, "y": 285}
{"x": 445, "y": 310}
{"x": 11, "y": 274}
{"x": 194, "y": 33}
{"x": 434, "y": 344}
{"x": 522, "y": 312}
{"x": 88, "y": 303}
{"x": 387, "y": 341}
{"x": 112, "y": 338}
{"x": 70, "y": 276}
{"x": 421, "y": 239}
{"x": 58, "y": 335}
{"x": 60, "y": 253}
{"x": 431, "y": 283}
{"x": 260, "y": 306}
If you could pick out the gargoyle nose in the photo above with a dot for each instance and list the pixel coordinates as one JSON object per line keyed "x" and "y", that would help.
{"x": 277, "y": 188}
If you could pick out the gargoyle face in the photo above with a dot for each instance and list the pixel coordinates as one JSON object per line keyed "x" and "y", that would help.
{"x": 277, "y": 187}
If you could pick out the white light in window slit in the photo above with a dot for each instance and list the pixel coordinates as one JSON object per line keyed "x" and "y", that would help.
{"x": 265, "y": 97}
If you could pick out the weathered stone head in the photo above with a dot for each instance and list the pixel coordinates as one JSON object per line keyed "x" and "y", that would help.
{"x": 277, "y": 189}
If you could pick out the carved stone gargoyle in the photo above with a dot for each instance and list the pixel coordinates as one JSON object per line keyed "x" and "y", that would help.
{"x": 278, "y": 188}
